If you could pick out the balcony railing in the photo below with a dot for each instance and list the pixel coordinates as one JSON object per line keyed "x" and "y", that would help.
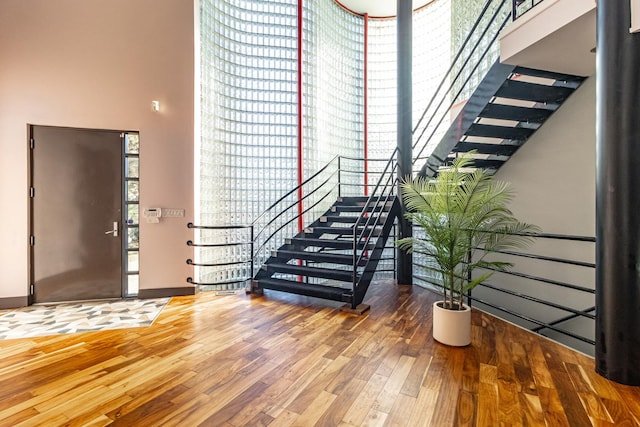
{"x": 520, "y": 7}
{"x": 552, "y": 296}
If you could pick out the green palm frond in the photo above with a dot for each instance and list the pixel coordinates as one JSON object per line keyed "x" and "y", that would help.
{"x": 460, "y": 212}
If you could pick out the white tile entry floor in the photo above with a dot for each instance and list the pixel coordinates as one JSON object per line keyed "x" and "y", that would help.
{"x": 68, "y": 318}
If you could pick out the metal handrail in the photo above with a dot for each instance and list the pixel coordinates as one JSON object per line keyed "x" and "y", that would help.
{"x": 541, "y": 324}
{"x": 574, "y": 313}
{"x": 492, "y": 24}
{"x": 383, "y": 190}
{"x": 259, "y": 240}
{"x": 294, "y": 190}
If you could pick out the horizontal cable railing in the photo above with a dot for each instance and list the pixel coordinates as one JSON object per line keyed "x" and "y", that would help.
{"x": 548, "y": 315}
{"x": 248, "y": 246}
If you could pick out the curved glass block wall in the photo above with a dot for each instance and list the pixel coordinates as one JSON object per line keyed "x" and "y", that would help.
{"x": 432, "y": 53}
{"x": 333, "y": 95}
{"x": 382, "y": 90}
{"x": 248, "y": 146}
{"x": 248, "y": 155}
{"x": 431, "y": 57}
{"x": 463, "y": 15}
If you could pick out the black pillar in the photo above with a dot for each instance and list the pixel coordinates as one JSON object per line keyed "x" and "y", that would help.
{"x": 405, "y": 138}
{"x": 617, "y": 195}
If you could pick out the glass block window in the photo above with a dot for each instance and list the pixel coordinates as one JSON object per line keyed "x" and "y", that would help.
{"x": 333, "y": 94}
{"x": 248, "y": 146}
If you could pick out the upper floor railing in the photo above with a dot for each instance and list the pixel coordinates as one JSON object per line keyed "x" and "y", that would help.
{"x": 520, "y": 7}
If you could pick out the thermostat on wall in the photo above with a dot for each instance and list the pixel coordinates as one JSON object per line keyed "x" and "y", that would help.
{"x": 153, "y": 215}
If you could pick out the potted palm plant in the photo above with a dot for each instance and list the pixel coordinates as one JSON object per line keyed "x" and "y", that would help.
{"x": 464, "y": 216}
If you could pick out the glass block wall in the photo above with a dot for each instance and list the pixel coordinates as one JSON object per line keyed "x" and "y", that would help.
{"x": 248, "y": 156}
{"x": 382, "y": 102}
{"x": 333, "y": 96}
{"x": 431, "y": 58}
{"x": 432, "y": 47}
{"x": 248, "y": 147}
{"x": 464, "y": 14}
{"x": 431, "y": 52}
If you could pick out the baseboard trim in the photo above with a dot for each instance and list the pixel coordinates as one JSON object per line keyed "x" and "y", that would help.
{"x": 166, "y": 292}
{"x": 14, "y": 302}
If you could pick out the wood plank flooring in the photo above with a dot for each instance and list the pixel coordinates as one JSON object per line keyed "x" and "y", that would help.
{"x": 283, "y": 360}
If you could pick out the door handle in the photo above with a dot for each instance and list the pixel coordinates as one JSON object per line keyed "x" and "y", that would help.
{"x": 115, "y": 230}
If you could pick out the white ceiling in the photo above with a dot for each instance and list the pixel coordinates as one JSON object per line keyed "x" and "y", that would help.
{"x": 377, "y": 8}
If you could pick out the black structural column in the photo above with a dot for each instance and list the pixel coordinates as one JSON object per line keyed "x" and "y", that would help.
{"x": 405, "y": 138}
{"x": 617, "y": 195}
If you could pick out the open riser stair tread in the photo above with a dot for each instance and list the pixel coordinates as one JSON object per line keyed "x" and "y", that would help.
{"x": 552, "y": 75}
{"x": 526, "y": 91}
{"x": 333, "y": 293}
{"x": 351, "y": 219}
{"x": 320, "y": 257}
{"x": 506, "y": 109}
{"x": 500, "y": 132}
{"x": 308, "y": 255}
{"x": 516, "y": 113}
{"x": 325, "y": 243}
{"x": 303, "y": 270}
{"x": 320, "y": 230}
{"x": 492, "y": 149}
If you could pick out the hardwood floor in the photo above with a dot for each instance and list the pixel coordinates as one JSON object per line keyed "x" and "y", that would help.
{"x": 282, "y": 360}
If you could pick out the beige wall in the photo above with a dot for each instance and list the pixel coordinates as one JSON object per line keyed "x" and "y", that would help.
{"x": 553, "y": 176}
{"x": 99, "y": 64}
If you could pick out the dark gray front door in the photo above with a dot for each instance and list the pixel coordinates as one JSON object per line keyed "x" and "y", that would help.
{"x": 76, "y": 251}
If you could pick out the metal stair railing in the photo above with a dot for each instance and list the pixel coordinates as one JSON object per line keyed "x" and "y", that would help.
{"x": 371, "y": 217}
{"x": 267, "y": 227}
{"x": 463, "y": 75}
{"x": 255, "y": 241}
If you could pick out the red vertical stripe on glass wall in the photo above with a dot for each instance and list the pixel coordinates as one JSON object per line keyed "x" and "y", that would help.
{"x": 300, "y": 122}
{"x": 365, "y": 101}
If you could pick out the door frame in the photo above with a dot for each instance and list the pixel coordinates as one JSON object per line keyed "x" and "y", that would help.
{"x": 124, "y": 225}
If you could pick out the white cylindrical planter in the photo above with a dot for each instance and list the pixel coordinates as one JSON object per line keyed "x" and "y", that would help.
{"x": 451, "y": 327}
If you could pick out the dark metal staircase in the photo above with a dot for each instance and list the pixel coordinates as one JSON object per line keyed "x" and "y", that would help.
{"x": 336, "y": 256}
{"x": 507, "y": 107}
